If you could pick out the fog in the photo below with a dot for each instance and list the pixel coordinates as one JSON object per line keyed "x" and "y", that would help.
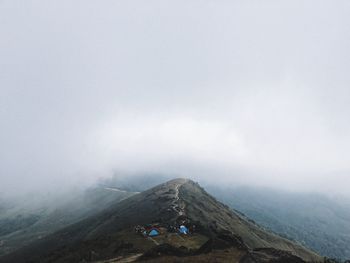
{"x": 240, "y": 92}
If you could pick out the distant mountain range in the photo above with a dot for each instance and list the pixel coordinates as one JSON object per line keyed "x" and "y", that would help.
{"x": 109, "y": 236}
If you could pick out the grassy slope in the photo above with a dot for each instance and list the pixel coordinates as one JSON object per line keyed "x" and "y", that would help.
{"x": 100, "y": 233}
{"x": 215, "y": 215}
{"x": 314, "y": 220}
{"x": 25, "y": 222}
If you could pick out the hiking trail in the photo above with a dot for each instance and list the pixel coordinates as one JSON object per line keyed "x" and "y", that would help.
{"x": 177, "y": 205}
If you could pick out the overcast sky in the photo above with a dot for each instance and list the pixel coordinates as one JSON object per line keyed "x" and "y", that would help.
{"x": 252, "y": 92}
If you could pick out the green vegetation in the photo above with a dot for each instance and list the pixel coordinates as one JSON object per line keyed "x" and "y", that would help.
{"x": 26, "y": 220}
{"x": 110, "y": 233}
{"x": 318, "y": 222}
{"x": 9, "y": 225}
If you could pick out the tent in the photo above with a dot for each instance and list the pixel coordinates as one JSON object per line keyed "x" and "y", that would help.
{"x": 153, "y": 232}
{"x": 183, "y": 230}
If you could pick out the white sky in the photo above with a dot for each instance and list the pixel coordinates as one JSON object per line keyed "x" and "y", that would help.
{"x": 255, "y": 92}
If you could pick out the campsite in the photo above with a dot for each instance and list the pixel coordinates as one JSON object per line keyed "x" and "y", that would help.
{"x": 159, "y": 235}
{"x": 181, "y": 234}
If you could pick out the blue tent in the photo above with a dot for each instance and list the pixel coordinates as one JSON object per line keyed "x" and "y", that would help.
{"x": 183, "y": 230}
{"x": 154, "y": 232}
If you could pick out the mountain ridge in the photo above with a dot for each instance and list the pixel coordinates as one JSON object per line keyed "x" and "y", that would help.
{"x": 165, "y": 203}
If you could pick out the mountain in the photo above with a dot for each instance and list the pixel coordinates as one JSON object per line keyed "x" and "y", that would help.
{"x": 220, "y": 233}
{"x": 30, "y": 218}
{"x": 316, "y": 221}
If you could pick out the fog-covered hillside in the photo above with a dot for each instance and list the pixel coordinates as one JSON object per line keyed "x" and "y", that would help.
{"x": 315, "y": 220}
{"x": 31, "y": 217}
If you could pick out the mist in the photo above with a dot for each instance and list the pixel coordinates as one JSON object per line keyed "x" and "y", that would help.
{"x": 237, "y": 92}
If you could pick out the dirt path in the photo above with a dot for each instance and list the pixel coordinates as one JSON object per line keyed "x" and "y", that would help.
{"x": 128, "y": 259}
{"x": 177, "y": 205}
{"x": 154, "y": 241}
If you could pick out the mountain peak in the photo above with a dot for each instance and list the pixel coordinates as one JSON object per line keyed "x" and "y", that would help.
{"x": 179, "y": 180}
{"x": 173, "y": 184}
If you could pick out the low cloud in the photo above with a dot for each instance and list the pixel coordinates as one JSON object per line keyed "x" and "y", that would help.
{"x": 249, "y": 93}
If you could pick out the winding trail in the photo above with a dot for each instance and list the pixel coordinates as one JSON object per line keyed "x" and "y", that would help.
{"x": 177, "y": 205}
{"x": 126, "y": 259}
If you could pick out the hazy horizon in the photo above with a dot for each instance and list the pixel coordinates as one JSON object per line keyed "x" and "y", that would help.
{"x": 237, "y": 92}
